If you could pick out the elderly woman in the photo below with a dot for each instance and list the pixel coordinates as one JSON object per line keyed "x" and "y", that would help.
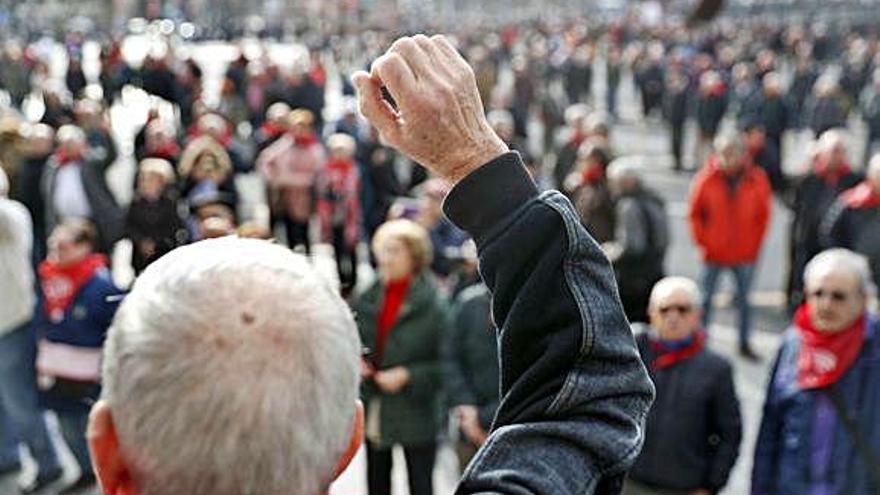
{"x": 819, "y": 433}
{"x": 290, "y": 167}
{"x": 401, "y": 320}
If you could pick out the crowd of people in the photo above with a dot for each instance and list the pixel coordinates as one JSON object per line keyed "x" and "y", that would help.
{"x": 428, "y": 356}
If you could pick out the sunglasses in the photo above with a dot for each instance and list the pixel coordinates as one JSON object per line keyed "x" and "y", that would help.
{"x": 835, "y": 295}
{"x": 682, "y": 309}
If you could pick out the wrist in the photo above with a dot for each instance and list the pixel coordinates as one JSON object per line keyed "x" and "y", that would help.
{"x": 481, "y": 154}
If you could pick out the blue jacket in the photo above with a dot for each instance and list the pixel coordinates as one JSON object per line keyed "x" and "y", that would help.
{"x": 85, "y": 324}
{"x": 783, "y": 454}
{"x": 574, "y": 391}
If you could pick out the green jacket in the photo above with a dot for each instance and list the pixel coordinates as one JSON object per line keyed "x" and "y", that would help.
{"x": 471, "y": 353}
{"x": 412, "y": 416}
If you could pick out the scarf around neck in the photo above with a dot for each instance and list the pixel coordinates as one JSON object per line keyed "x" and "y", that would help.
{"x": 824, "y": 356}
{"x": 61, "y": 284}
{"x": 668, "y": 354}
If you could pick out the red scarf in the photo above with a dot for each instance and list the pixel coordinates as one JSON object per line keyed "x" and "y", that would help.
{"x": 395, "y": 294}
{"x": 824, "y": 357}
{"x": 271, "y": 129}
{"x": 831, "y": 176}
{"x": 166, "y": 149}
{"x": 861, "y": 196}
{"x": 64, "y": 157}
{"x": 667, "y": 357}
{"x": 61, "y": 284}
{"x": 306, "y": 140}
{"x": 592, "y": 175}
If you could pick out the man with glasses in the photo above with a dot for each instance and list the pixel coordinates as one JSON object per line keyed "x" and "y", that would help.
{"x": 693, "y": 432}
{"x": 820, "y": 432}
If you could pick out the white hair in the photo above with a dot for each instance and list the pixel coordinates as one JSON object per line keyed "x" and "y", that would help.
{"x": 232, "y": 368}
{"x": 668, "y": 285}
{"x": 4, "y": 183}
{"x": 622, "y": 169}
{"x": 727, "y": 139}
{"x": 837, "y": 259}
{"x": 873, "y": 172}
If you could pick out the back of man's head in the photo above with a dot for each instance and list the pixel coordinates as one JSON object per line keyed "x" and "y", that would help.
{"x": 231, "y": 369}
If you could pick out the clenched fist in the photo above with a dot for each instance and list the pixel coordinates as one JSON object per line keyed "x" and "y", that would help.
{"x": 439, "y": 120}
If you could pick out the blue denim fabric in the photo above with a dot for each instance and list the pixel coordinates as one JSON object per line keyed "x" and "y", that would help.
{"x": 742, "y": 275}
{"x": 783, "y": 453}
{"x": 574, "y": 390}
{"x": 8, "y": 442}
{"x": 18, "y": 395}
{"x": 73, "y": 428}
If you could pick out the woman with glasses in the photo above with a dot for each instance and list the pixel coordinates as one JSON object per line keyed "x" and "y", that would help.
{"x": 820, "y": 433}
{"x": 693, "y": 432}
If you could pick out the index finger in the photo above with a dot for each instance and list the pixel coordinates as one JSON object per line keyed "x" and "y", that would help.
{"x": 397, "y": 77}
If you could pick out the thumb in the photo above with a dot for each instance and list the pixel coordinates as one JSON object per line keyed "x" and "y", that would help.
{"x": 374, "y": 107}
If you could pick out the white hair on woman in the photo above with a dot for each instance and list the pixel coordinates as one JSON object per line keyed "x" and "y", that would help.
{"x": 666, "y": 286}
{"x": 232, "y": 368}
{"x": 837, "y": 259}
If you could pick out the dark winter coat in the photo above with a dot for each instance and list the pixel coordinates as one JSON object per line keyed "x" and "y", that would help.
{"x": 693, "y": 431}
{"x": 412, "y": 416}
{"x": 471, "y": 356}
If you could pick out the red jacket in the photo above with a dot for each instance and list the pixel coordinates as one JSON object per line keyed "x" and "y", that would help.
{"x": 728, "y": 224}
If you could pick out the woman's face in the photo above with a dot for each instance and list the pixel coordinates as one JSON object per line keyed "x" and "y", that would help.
{"x": 394, "y": 259}
{"x": 206, "y": 168}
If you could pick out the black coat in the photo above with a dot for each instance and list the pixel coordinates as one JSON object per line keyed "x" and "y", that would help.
{"x": 155, "y": 221}
{"x": 471, "y": 355}
{"x": 854, "y": 228}
{"x": 710, "y": 111}
{"x": 693, "y": 432}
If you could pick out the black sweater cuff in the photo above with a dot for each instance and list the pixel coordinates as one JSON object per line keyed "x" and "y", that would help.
{"x": 489, "y": 194}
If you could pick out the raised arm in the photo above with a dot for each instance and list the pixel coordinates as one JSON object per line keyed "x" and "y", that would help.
{"x": 574, "y": 391}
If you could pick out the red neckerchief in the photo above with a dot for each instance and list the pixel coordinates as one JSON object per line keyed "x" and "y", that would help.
{"x": 60, "y": 285}
{"x": 666, "y": 357}
{"x": 395, "y": 294}
{"x": 718, "y": 90}
{"x": 318, "y": 75}
{"x": 167, "y": 150}
{"x": 592, "y": 175}
{"x": 305, "y": 141}
{"x": 576, "y": 139}
{"x": 861, "y": 196}
{"x": 271, "y": 129}
{"x": 63, "y": 157}
{"x": 824, "y": 357}
{"x": 831, "y": 176}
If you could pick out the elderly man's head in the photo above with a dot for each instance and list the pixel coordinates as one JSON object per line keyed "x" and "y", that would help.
{"x": 624, "y": 177}
{"x": 674, "y": 308}
{"x": 838, "y": 286}
{"x": 729, "y": 148}
{"x": 230, "y": 368}
{"x": 71, "y": 242}
{"x": 832, "y": 146}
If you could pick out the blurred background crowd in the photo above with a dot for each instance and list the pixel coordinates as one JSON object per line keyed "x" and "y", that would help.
{"x": 742, "y": 145}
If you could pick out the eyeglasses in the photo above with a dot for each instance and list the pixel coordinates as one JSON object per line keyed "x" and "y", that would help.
{"x": 682, "y": 309}
{"x": 835, "y": 295}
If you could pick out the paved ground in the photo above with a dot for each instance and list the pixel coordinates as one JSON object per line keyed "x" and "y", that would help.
{"x": 644, "y": 143}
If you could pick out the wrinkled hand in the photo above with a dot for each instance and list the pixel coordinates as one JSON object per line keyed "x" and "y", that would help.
{"x": 439, "y": 120}
{"x": 469, "y": 423}
{"x": 392, "y": 381}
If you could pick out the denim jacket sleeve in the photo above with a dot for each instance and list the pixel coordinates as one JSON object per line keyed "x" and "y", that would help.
{"x": 574, "y": 390}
